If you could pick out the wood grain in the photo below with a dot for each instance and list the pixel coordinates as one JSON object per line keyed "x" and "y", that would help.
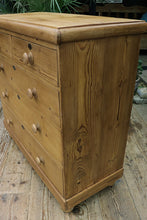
{"x": 118, "y": 202}
{"x": 57, "y": 28}
{"x": 5, "y": 42}
{"x": 48, "y": 166}
{"x": 28, "y": 117}
{"x": 95, "y": 119}
{"x": 45, "y": 59}
{"x": 21, "y": 80}
{"x": 68, "y": 105}
{"x": 64, "y": 20}
{"x": 44, "y": 110}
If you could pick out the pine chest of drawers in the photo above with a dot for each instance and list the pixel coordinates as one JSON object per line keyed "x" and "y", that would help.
{"x": 66, "y": 84}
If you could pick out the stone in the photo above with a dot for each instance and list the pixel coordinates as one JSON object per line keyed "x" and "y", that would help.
{"x": 142, "y": 92}
{"x": 138, "y": 100}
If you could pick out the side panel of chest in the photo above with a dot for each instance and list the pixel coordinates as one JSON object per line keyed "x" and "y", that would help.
{"x": 97, "y": 79}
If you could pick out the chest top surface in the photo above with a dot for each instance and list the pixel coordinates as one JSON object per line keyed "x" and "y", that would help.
{"x": 57, "y": 27}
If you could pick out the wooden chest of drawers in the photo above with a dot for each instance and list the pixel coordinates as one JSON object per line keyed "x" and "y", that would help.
{"x": 66, "y": 84}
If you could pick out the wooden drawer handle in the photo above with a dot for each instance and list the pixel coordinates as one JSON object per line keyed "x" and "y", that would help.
{"x": 31, "y": 58}
{"x": 39, "y": 160}
{"x": 1, "y": 68}
{"x": 32, "y": 93}
{"x": 28, "y": 58}
{"x": 25, "y": 58}
{"x": 35, "y": 127}
{"x": 9, "y": 122}
{"x": 5, "y": 94}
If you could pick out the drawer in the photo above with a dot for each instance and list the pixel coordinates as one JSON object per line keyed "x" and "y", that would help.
{"x": 35, "y": 58}
{"x": 36, "y": 92}
{"x": 41, "y": 159}
{"x": 5, "y": 44}
{"x": 36, "y": 122}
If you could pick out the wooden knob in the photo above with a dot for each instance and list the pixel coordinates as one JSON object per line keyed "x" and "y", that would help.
{"x": 25, "y": 58}
{"x": 35, "y": 127}
{"x": 38, "y": 160}
{"x": 5, "y": 94}
{"x": 28, "y": 58}
{"x": 9, "y": 121}
{"x": 32, "y": 93}
{"x": 1, "y": 68}
{"x": 31, "y": 58}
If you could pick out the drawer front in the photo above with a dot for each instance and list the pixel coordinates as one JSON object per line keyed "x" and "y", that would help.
{"x": 36, "y": 93}
{"x": 36, "y": 153}
{"x": 5, "y": 44}
{"x": 35, "y": 58}
{"x": 36, "y": 121}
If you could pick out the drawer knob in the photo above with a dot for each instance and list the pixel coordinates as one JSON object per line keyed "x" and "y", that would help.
{"x": 31, "y": 58}
{"x": 32, "y": 93}
{"x": 25, "y": 58}
{"x": 5, "y": 94}
{"x": 1, "y": 68}
{"x": 9, "y": 122}
{"x": 35, "y": 127}
{"x": 39, "y": 160}
{"x": 28, "y": 58}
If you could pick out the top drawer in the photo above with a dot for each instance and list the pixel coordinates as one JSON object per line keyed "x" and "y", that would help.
{"x": 5, "y": 44}
{"x": 35, "y": 57}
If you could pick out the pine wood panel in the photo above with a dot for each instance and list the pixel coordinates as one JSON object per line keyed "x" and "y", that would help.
{"x": 57, "y": 28}
{"x": 5, "y": 42}
{"x": 57, "y": 20}
{"x": 48, "y": 165}
{"x": 85, "y": 153}
{"x": 43, "y": 111}
{"x": 28, "y": 117}
{"x": 46, "y": 133}
{"x": 118, "y": 202}
{"x": 47, "y": 99}
{"x": 45, "y": 59}
{"x": 31, "y": 39}
{"x": 95, "y": 121}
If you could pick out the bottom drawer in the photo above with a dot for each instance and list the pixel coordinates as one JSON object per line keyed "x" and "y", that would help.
{"x": 37, "y": 154}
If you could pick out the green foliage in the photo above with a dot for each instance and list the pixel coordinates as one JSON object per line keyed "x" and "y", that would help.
{"x": 63, "y": 5}
{"x": 22, "y": 6}
{"x": 101, "y": 1}
{"x": 139, "y": 68}
{"x": 5, "y": 6}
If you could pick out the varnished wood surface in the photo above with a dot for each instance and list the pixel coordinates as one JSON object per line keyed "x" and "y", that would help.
{"x": 43, "y": 110}
{"x": 49, "y": 170}
{"x": 91, "y": 100}
{"x": 85, "y": 74}
{"x": 21, "y": 80}
{"x": 58, "y": 20}
{"x": 5, "y": 44}
{"x": 24, "y": 196}
{"x": 45, "y": 135}
{"x": 34, "y": 151}
{"x": 94, "y": 138}
{"x": 45, "y": 59}
{"x": 57, "y": 28}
